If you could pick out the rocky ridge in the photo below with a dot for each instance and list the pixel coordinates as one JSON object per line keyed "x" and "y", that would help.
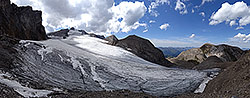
{"x": 140, "y": 47}
{"x": 224, "y": 53}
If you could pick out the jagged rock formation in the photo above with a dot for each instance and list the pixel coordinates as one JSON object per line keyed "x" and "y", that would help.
{"x": 225, "y": 52}
{"x": 144, "y": 49}
{"x": 21, "y": 22}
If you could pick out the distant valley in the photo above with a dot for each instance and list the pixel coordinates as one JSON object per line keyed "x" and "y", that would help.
{"x": 173, "y": 51}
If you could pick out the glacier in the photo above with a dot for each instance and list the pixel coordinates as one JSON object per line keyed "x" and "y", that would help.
{"x": 81, "y": 62}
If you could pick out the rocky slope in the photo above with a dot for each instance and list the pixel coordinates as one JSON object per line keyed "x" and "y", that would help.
{"x": 224, "y": 52}
{"x": 21, "y": 22}
{"x": 142, "y": 48}
{"x": 233, "y": 82}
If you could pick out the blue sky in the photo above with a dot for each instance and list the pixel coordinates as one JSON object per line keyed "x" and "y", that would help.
{"x": 182, "y": 26}
{"x": 167, "y": 23}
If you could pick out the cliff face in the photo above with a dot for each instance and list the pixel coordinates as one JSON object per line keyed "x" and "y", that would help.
{"x": 21, "y": 22}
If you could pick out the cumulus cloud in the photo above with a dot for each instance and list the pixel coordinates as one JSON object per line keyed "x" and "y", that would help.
{"x": 242, "y": 37}
{"x": 154, "y": 5}
{"x": 232, "y": 23}
{"x": 240, "y": 40}
{"x": 236, "y": 14}
{"x": 164, "y": 26}
{"x": 97, "y": 16}
{"x": 192, "y": 36}
{"x": 180, "y": 6}
{"x": 202, "y": 14}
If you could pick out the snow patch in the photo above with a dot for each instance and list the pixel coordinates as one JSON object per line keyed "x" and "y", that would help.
{"x": 24, "y": 91}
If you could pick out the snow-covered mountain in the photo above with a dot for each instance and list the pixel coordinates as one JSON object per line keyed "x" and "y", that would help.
{"x": 81, "y": 62}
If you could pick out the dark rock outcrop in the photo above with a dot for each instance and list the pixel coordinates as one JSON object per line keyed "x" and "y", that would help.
{"x": 60, "y": 34}
{"x": 21, "y": 22}
{"x": 7, "y": 52}
{"x": 97, "y": 36}
{"x": 210, "y": 62}
{"x": 144, "y": 49}
{"x": 112, "y": 40}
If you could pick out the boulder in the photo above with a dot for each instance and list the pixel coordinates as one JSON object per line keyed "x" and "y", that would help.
{"x": 21, "y": 22}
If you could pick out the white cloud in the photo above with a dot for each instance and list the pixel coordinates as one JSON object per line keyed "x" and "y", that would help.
{"x": 164, "y": 26}
{"x": 98, "y": 16}
{"x": 152, "y": 21}
{"x": 154, "y": 5}
{"x": 204, "y": 1}
{"x": 180, "y": 6}
{"x": 240, "y": 40}
{"x": 192, "y": 10}
{"x": 233, "y": 22}
{"x": 145, "y": 31}
{"x": 238, "y": 28}
{"x": 231, "y": 14}
{"x": 130, "y": 13}
{"x": 192, "y": 36}
{"x": 243, "y": 37}
{"x": 202, "y": 14}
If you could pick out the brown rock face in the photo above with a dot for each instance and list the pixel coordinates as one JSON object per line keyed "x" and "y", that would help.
{"x": 21, "y": 22}
{"x": 144, "y": 49}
